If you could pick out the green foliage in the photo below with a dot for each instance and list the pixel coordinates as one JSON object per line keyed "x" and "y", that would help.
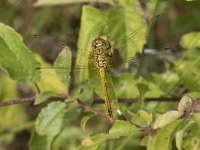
{"x": 72, "y": 120}
{"x": 120, "y": 128}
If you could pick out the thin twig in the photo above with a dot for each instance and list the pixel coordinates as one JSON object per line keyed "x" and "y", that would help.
{"x": 88, "y": 107}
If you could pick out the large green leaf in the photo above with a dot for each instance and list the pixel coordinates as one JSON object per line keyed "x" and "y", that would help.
{"x": 16, "y": 58}
{"x": 92, "y": 25}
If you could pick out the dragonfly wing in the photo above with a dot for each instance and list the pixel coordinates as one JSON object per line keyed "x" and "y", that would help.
{"x": 117, "y": 63}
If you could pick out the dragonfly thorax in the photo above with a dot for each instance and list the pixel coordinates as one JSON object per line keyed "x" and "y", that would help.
{"x": 101, "y": 42}
{"x": 101, "y": 59}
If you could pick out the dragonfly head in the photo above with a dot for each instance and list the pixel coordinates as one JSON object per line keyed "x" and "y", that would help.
{"x": 101, "y": 42}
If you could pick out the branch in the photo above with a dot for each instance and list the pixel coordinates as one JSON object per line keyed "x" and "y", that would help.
{"x": 96, "y": 101}
{"x": 134, "y": 100}
{"x": 18, "y": 101}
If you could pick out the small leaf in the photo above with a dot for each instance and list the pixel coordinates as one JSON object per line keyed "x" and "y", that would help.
{"x": 143, "y": 88}
{"x": 16, "y": 58}
{"x": 145, "y": 116}
{"x": 50, "y": 120}
{"x": 44, "y": 96}
{"x": 62, "y": 65}
{"x": 166, "y": 118}
{"x": 38, "y": 142}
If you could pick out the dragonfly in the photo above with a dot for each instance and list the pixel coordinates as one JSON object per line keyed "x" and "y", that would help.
{"x": 102, "y": 54}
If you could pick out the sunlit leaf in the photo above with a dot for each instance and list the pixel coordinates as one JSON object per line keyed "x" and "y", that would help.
{"x": 16, "y": 58}
{"x": 147, "y": 117}
{"x": 166, "y": 118}
{"x": 49, "y": 79}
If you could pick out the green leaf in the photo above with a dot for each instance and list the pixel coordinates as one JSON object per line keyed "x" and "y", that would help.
{"x": 190, "y": 40}
{"x": 119, "y": 129}
{"x": 62, "y": 2}
{"x": 16, "y": 58}
{"x": 122, "y": 128}
{"x": 49, "y": 80}
{"x": 146, "y": 117}
{"x": 163, "y": 138}
{"x": 166, "y": 118}
{"x": 62, "y": 65}
{"x": 38, "y": 142}
{"x": 44, "y": 96}
{"x": 50, "y": 120}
